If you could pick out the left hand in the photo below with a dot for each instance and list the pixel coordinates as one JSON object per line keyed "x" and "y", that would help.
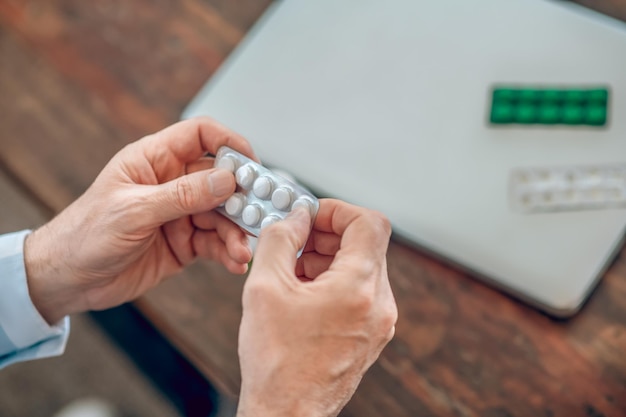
{"x": 146, "y": 216}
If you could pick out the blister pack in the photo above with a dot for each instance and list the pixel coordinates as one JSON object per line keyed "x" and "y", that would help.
{"x": 262, "y": 197}
{"x": 568, "y": 188}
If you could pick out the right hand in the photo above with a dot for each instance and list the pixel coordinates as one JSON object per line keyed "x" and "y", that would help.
{"x": 312, "y": 326}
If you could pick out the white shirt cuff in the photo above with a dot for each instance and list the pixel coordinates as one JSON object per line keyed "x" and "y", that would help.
{"x": 23, "y": 332}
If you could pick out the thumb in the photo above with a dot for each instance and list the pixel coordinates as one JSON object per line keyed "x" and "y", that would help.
{"x": 190, "y": 194}
{"x": 279, "y": 243}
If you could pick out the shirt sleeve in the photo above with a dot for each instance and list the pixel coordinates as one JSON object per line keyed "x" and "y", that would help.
{"x": 24, "y": 334}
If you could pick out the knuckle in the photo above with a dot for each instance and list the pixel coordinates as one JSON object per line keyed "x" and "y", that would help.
{"x": 362, "y": 301}
{"x": 185, "y": 194}
{"x": 366, "y": 266}
{"x": 381, "y": 222}
{"x": 280, "y": 232}
{"x": 205, "y": 119}
{"x": 390, "y": 334}
{"x": 198, "y": 120}
{"x": 388, "y": 321}
{"x": 258, "y": 292}
{"x": 126, "y": 149}
{"x": 380, "y": 312}
{"x": 255, "y": 288}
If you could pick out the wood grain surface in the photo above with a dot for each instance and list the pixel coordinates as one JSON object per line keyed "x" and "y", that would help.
{"x": 79, "y": 80}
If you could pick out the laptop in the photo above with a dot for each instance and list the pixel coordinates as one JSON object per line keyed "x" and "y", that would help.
{"x": 396, "y": 106}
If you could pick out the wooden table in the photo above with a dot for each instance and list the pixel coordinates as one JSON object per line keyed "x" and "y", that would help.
{"x": 78, "y": 80}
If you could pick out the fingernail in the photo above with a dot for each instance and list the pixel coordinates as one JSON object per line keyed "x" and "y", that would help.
{"x": 220, "y": 182}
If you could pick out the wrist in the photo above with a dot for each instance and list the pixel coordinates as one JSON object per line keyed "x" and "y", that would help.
{"x": 263, "y": 409}
{"x": 283, "y": 404}
{"x": 47, "y": 281}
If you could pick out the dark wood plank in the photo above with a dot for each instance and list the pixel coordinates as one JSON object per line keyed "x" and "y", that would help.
{"x": 81, "y": 80}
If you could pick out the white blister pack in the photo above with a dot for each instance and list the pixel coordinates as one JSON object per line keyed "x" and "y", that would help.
{"x": 262, "y": 197}
{"x": 568, "y": 188}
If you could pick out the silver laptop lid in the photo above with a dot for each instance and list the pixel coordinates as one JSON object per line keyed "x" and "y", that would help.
{"x": 386, "y": 105}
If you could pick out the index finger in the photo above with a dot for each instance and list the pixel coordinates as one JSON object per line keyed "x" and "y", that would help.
{"x": 364, "y": 233}
{"x": 191, "y": 139}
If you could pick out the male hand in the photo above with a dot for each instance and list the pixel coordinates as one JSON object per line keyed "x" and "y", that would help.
{"x": 146, "y": 216}
{"x": 311, "y": 327}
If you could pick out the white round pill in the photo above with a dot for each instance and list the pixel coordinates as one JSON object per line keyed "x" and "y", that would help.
{"x": 245, "y": 176}
{"x": 234, "y": 204}
{"x": 281, "y": 198}
{"x": 271, "y": 219}
{"x": 227, "y": 162}
{"x": 262, "y": 187}
{"x": 252, "y": 214}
